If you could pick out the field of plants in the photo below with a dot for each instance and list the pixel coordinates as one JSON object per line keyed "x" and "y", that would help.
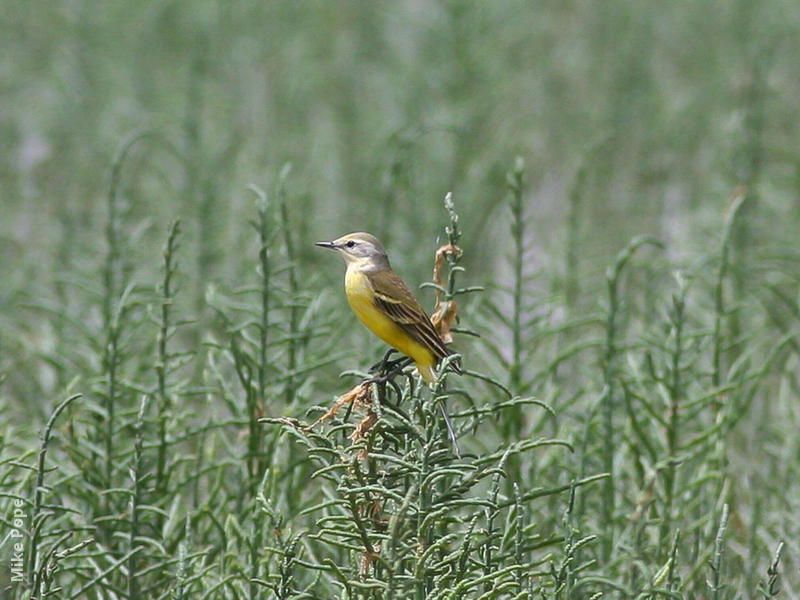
{"x": 601, "y": 198}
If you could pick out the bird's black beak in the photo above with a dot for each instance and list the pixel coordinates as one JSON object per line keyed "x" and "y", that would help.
{"x": 325, "y": 244}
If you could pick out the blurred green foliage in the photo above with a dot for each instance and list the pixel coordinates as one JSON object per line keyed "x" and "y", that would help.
{"x": 563, "y": 129}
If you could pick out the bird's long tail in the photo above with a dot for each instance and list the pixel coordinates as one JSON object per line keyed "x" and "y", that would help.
{"x": 451, "y": 433}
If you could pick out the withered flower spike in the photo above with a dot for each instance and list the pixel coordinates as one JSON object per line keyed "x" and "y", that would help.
{"x": 360, "y": 395}
{"x": 443, "y": 319}
{"x": 445, "y": 313}
{"x": 363, "y": 427}
{"x": 361, "y": 430}
{"x": 438, "y": 263}
{"x": 368, "y": 558}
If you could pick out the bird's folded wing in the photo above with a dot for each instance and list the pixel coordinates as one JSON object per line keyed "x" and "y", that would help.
{"x": 393, "y": 297}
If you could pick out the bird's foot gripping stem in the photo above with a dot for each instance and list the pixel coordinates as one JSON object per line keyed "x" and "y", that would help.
{"x": 385, "y": 369}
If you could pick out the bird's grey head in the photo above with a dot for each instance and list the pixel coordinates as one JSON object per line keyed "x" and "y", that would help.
{"x": 361, "y": 250}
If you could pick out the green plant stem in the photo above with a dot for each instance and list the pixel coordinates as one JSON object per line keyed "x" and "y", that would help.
{"x": 163, "y": 357}
{"x": 39, "y": 489}
{"x": 294, "y": 293}
{"x": 136, "y": 497}
{"x": 719, "y": 288}
{"x": 610, "y": 380}
{"x": 515, "y": 185}
{"x": 717, "y": 561}
{"x": 675, "y": 392}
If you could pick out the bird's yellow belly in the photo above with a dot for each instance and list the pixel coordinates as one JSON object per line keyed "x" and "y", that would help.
{"x": 360, "y": 297}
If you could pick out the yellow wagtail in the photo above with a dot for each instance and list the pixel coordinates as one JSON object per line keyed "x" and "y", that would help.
{"x": 383, "y": 302}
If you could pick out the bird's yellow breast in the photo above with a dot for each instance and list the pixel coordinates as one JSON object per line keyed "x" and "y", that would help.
{"x": 361, "y": 298}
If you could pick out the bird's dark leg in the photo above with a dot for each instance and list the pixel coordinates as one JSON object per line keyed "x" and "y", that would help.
{"x": 397, "y": 366}
{"x": 387, "y": 369}
{"x": 382, "y": 362}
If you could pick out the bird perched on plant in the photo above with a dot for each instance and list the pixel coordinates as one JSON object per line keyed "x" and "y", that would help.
{"x": 384, "y": 303}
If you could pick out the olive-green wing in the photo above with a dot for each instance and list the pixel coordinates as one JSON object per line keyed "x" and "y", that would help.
{"x": 393, "y": 297}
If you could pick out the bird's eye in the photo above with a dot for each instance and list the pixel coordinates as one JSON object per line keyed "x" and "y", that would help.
{"x": 350, "y": 244}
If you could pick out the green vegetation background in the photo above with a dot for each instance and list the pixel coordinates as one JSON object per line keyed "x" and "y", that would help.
{"x": 633, "y": 430}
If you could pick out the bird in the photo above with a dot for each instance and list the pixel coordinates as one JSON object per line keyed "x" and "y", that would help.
{"x": 385, "y": 305}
